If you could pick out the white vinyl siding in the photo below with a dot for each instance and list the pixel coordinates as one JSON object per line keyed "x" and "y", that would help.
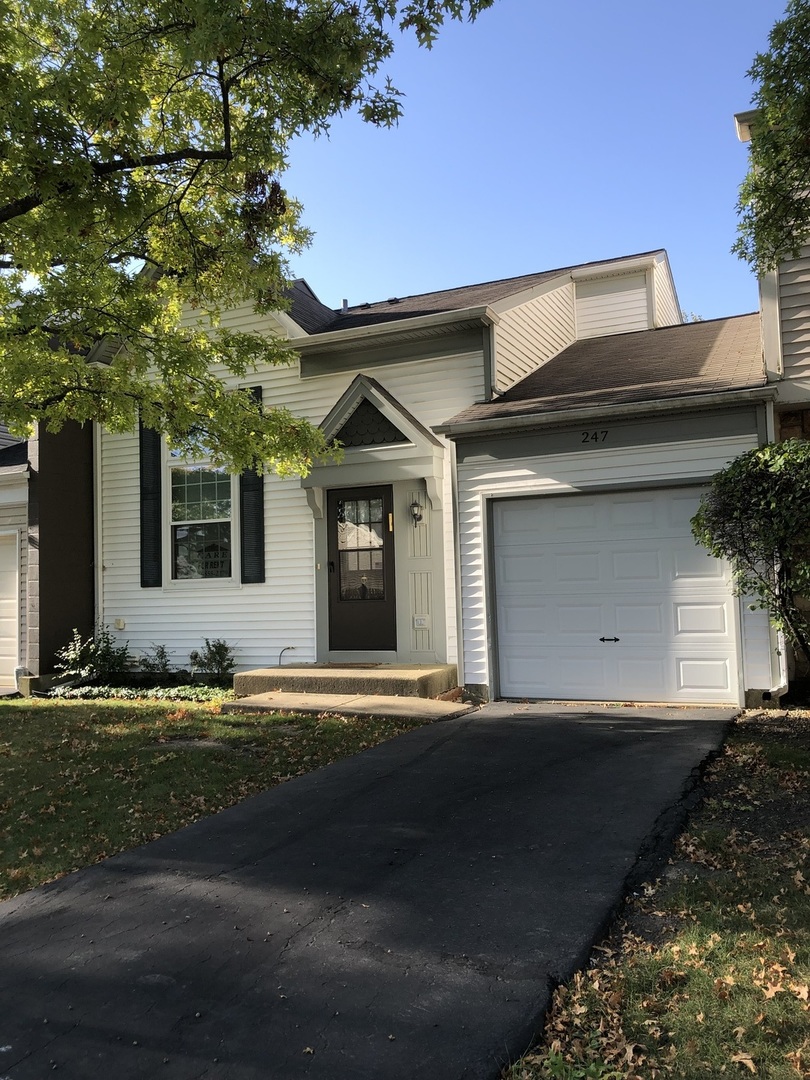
{"x": 13, "y": 534}
{"x": 529, "y": 335}
{"x": 612, "y": 305}
{"x": 667, "y": 312}
{"x": 259, "y": 620}
{"x": 794, "y": 306}
{"x": 665, "y": 463}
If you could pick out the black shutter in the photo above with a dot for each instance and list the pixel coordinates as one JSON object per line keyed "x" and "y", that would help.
{"x": 151, "y": 509}
{"x": 251, "y": 519}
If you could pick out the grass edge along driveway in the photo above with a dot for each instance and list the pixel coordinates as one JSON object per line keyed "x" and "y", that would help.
{"x": 80, "y": 781}
{"x": 707, "y": 972}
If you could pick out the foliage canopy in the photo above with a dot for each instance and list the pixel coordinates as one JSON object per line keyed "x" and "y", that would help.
{"x": 142, "y": 146}
{"x": 756, "y": 514}
{"x": 773, "y": 205}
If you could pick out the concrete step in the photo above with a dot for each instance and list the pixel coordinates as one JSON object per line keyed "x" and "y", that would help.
{"x": 391, "y": 680}
{"x": 378, "y": 705}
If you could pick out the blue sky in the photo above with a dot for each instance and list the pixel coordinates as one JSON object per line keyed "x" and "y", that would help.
{"x": 540, "y": 136}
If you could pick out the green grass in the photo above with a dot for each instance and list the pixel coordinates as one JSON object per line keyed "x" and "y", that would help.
{"x": 80, "y": 781}
{"x": 708, "y": 974}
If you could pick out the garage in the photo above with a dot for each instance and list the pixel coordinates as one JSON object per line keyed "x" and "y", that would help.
{"x": 9, "y": 609}
{"x": 607, "y": 597}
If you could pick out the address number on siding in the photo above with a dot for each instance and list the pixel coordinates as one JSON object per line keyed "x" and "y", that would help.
{"x": 594, "y": 436}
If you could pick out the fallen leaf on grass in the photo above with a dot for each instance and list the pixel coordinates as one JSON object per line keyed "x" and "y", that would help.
{"x": 746, "y": 1060}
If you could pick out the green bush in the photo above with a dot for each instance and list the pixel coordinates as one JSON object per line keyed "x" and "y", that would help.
{"x": 215, "y": 658}
{"x": 93, "y": 658}
{"x": 156, "y": 662}
{"x": 136, "y": 693}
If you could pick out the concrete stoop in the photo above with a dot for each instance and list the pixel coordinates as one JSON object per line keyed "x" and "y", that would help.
{"x": 389, "y": 680}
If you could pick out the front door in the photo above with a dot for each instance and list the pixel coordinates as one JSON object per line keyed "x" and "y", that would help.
{"x": 362, "y": 611}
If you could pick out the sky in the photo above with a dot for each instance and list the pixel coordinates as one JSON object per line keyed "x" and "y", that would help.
{"x": 544, "y": 135}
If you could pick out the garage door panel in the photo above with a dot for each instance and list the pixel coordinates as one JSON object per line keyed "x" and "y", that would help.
{"x": 636, "y": 564}
{"x": 523, "y": 616}
{"x": 693, "y": 562}
{"x": 577, "y": 566}
{"x": 647, "y": 673}
{"x": 701, "y": 618}
{"x": 621, "y": 565}
{"x": 635, "y": 618}
{"x": 703, "y": 674}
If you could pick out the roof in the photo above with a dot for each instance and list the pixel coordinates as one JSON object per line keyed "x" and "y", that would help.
{"x": 307, "y": 310}
{"x": 647, "y": 365}
{"x": 432, "y": 303}
{"x": 13, "y": 450}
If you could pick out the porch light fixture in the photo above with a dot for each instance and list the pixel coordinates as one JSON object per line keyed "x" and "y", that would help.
{"x": 416, "y": 513}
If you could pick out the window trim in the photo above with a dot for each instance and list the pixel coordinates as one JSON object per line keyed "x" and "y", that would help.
{"x": 169, "y": 581}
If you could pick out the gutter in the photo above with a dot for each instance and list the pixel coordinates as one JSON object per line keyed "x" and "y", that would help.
{"x": 566, "y": 417}
{"x": 12, "y": 474}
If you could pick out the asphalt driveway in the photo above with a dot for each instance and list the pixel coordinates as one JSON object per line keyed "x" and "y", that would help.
{"x": 402, "y": 915}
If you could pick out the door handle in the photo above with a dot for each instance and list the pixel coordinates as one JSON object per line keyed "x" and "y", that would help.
{"x": 331, "y": 566}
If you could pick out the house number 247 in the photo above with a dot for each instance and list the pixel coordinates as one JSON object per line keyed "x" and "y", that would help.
{"x": 594, "y": 436}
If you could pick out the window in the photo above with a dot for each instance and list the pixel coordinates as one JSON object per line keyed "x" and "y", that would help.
{"x": 201, "y": 520}
{"x": 208, "y": 524}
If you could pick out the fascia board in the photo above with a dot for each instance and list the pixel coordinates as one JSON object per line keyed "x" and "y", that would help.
{"x": 506, "y": 303}
{"x": 663, "y": 262}
{"x": 610, "y": 269}
{"x": 288, "y": 324}
{"x": 567, "y": 417}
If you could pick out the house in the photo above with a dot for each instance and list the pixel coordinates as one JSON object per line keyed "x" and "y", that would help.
{"x": 521, "y": 461}
{"x": 579, "y": 574}
{"x": 46, "y": 547}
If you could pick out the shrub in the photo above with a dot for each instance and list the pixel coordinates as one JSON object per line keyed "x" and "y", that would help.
{"x": 756, "y": 514}
{"x": 93, "y": 658}
{"x": 215, "y": 658}
{"x": 157, "y": 662}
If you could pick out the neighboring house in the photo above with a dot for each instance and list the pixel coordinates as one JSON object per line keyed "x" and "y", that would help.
{"x": 785, "y": 308}
{"x": 555, "y": 390}
{"x": 46, "y": 547}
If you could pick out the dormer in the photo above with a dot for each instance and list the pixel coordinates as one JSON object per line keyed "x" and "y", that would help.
{"x": 635, "y": 294}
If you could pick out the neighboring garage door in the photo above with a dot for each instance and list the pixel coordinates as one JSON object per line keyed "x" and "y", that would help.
{"x": 607, "y": 597}
{"x": 9, "y": 609}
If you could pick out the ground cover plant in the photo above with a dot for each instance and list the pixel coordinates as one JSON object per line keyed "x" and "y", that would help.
{"x": 707, "y": 973}
{"x": 83, "y": 780}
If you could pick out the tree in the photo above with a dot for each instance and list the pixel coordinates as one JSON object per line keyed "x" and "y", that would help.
{"x": 142, "y": 149}
{"x": 756, "y": 514}
{"x": 773, "y": 205}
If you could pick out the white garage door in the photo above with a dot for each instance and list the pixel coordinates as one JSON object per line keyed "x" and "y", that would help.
{"x": 9, "y": 609}
{"x": 607, "y": 597}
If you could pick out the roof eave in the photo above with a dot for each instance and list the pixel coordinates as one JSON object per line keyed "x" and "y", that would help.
{"x": 565, "y": 417}
{"x": 482, "y": 316}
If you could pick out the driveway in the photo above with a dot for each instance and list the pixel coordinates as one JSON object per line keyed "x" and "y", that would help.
{"x": 402, "y": 915}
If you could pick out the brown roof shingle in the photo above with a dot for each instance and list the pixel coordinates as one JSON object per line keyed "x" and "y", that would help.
{"x": 432, "y": 303}
{"x": 646, "y": 365}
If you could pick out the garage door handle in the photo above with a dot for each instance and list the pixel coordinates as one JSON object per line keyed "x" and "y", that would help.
{"x": 608, "y": 639}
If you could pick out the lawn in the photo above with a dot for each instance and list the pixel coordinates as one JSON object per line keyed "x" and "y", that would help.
{"x": 83, "y": 780}
{"x": 707, "y": 973}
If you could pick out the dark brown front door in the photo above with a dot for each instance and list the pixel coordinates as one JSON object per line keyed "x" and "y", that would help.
{"x": 362, "y": 611}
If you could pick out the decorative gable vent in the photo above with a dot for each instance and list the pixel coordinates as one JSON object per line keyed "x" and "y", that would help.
{"x": 366, "y": 426}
